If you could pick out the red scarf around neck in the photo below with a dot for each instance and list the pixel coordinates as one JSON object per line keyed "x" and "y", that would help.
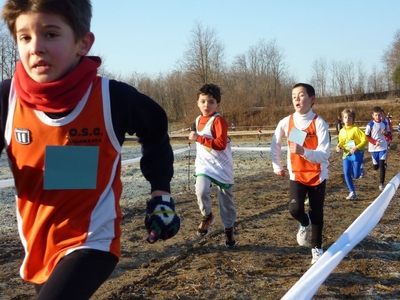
{"x": 57, "y": 96}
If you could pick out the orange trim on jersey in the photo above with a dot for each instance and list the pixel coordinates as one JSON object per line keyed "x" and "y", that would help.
{"x": 305, "y": 171}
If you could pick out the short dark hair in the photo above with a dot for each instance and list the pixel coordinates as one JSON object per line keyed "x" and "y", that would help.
{"x": 377, "y": 109}
{"x": 210, "y": 89}
{"x": 310, "y": 90}
{"x": 76, "y": 13}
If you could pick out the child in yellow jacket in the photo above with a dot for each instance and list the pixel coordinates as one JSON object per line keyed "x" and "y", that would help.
{"x": 352, "y": 140}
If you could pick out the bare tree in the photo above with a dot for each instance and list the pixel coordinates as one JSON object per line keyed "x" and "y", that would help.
{"x": 349, "y": 76}
{"x": 265, "y": 71}
{"x": 391, "y": 56}
{"x": 360, "y": 83}
{"x": 319, "y": 77}
{"x": 203, "y": 59}
{"x": 376, "y": 80}
{"x": 9, "y": 53}
{"x": 338, "y": 78}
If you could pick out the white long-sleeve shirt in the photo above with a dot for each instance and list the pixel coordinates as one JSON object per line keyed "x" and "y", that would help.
{"x": 320, "y": 155}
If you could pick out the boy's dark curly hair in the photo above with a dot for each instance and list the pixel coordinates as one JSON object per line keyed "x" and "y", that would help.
{"x": 210, "y": 89}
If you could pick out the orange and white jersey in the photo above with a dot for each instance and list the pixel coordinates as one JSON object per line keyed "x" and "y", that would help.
{"x": 217, "y": 164}
{"x": 55, "y": 222}
{"x": 312, "y": 167}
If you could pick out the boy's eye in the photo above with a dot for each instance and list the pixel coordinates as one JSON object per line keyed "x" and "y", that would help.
{"x": 51, "y": 35}
{"x": 24, "y": 38}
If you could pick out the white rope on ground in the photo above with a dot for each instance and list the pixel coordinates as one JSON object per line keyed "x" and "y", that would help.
{"x": 6, "y": 183}
{"x": 10, "y": 182}
{"x": 309, "y": 283}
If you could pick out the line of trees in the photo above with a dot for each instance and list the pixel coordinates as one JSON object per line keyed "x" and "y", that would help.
{"x": 258, "y": 78}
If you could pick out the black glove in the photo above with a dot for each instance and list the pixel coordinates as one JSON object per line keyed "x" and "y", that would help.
{"x": 162, "y": 222}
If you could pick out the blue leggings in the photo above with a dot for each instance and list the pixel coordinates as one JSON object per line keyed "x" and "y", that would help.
{"x": 351, "y": 169}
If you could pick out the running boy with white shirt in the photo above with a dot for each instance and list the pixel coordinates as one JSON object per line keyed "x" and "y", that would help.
{"x": 307, "y": 163}
{"x": 214, "y": 163}
{"x": 376, "y": 131}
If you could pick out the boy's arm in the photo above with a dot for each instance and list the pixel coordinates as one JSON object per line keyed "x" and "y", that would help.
{"x": 362, "y": 138}
{"x": 136, "y": 113}
{"x": 322, "y": 152}
{"x": 276, "y": 146}
{"x": 368, "y": 131}
{"x": 341, "y": 137}
{"x": 220, "y": 132}
{"x": 341, "y": 140}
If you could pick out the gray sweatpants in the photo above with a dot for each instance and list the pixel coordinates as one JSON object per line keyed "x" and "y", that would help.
{"x": 227, "y": 207}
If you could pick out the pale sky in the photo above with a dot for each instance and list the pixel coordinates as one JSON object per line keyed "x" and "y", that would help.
{"x": 150, "y": 36}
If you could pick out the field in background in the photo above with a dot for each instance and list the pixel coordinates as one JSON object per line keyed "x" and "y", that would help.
{"x": 268, "y": 118}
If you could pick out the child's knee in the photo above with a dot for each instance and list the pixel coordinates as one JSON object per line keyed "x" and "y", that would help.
{"x": 295, "y": 212}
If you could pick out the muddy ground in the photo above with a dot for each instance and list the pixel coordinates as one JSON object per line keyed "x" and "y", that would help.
{"x": 267, "y": 261}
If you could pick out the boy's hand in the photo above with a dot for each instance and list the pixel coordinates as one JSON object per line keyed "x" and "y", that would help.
{"x": 193, "y": 135}
{"x": 281, "y": 173}
{"x": 162, "y": 222}
{"x": 296, "y": 148}
{"x": 353, "y": 150}
{"x": 338, "y": 148}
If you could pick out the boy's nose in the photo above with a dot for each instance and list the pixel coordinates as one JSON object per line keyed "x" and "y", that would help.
{"x": 37, "y": 46}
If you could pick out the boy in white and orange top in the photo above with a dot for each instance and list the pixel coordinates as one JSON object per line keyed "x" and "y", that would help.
{"x": 214, "y": 163}
{"x": 307, "y": 161}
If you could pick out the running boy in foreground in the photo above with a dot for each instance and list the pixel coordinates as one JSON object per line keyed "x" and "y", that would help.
{"x": 214, "y": 163}
{"x": 307, "y": 161}
{"x": 63, "y": 128}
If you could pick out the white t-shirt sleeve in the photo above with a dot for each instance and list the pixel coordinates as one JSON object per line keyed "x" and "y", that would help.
{"x": 276, "y": 144}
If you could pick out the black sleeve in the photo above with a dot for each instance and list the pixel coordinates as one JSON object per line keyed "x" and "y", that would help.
{"x": 4, "y": 92}
{"x": 135, "y": 113}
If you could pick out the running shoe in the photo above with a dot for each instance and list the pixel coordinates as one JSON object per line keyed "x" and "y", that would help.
{"x": 230, "y": 241}
{"x": 316, "y": 254}
{"x": 351, "y": 196}
{"x": 381, "y": 187}
{"x": 303, "y": 234}
{"x": 205, "y": 225}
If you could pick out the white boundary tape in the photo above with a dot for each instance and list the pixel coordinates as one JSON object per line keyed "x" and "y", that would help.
{"x": 309, "y": 283}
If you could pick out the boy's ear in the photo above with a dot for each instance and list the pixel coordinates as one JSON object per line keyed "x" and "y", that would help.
{"x": 312, "y": 100}
{"x": 85, "y": 44}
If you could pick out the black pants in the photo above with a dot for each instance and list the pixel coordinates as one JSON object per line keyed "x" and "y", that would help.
{"x": 316, "y": 196}
{"x": 382, "y": 167}
{"x": 77, "y": 276}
